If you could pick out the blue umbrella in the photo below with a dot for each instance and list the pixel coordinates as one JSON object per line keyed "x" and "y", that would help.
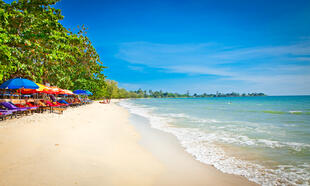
{"x": 82, "y": 92}
{"x": 89, "y": 92}
{"x": 18, "y": 83}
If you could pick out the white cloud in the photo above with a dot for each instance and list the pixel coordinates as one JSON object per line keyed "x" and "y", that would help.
{"x": 193, "y": 70}
{"x": 136, "y": 68}
{"x": 271, "y": 66}
{"x": 161, "y": 55}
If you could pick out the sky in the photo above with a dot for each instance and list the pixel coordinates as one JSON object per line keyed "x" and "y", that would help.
{"x": 199, "y": 45}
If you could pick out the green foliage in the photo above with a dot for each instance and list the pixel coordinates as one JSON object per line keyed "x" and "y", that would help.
{"x": 35, "y": 45}
{"x": 111, "y": 90}
{"x": 160, "y": 94}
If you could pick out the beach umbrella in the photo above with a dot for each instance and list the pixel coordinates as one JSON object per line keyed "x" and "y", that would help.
{"x": 62, "y": 91}
{"x": 19, "y": 83}
{"x": 32, "y": 91}
{"x": 48, "y": 90}
{"x": 89, "y": 93}
{"x": 52, "y": 90}
{"x": 80, "y": 92}
{"x": 56, "y": 90}
{"x": 28, "y": 91}
{"x": 41, "y": 87}
{"x": 68, "y": 92}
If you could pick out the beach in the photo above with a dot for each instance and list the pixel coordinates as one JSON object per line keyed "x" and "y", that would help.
{"x": 97, "y": 144}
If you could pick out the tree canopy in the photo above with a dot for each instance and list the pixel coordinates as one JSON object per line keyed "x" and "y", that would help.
{"x": 35, "y": 45}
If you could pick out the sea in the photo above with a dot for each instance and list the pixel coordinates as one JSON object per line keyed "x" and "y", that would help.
{"x": 265, "y": 139}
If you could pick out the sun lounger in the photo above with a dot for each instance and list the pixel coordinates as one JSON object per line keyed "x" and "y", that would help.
{"x": 29, "y": 110}
{"x": 44, "y": 107}
{"x": 32, "y": 109}
{"x": 40, "y": 108}
{"x": 55, "y": 107}
{"x": 5, "y": 113}
{"x": 52, "y": 104}
{"x": 11, "y": 107}
{"x": 32, "y": 105}
{"x": 62, "y": 104}
{"x": 72, "y": 104}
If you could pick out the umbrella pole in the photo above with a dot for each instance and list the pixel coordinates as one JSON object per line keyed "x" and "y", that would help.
{"x": 20, "y": 95}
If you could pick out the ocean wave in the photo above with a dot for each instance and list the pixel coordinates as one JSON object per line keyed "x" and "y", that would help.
{"x": 176, "y": 115}
{"x": 229, "y": 137}
{"x": 296, "y": 112}
{"x": 201, "y": 145}
{"x": 234, "y": 126}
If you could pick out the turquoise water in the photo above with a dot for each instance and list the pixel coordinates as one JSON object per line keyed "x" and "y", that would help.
{"x": 265, "y": 139}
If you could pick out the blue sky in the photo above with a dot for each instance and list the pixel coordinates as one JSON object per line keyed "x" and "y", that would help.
{"x": 201, "y": 46}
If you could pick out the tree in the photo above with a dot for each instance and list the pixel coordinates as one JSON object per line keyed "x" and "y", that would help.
{"x": 35, "y": 45}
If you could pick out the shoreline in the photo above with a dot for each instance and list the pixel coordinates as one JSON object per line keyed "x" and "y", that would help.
{"x": 167, "y": 148}
{"x": 97, "y": 145}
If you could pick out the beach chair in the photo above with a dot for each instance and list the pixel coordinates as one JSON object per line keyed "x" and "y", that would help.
{"x": 62, "y": 104}
{"x": 13, "y": 108}
{"x": 5, "y": 113}
{"x": 44, "y": 107}
{"x": 40, "y": 109}
{"x": 55, "y": 107}
{"x": 28, "y": 111}
{"x": 31, "y": 109}
{"x": 65, "y": 103}
{"x": 52, "y": 104}
{"x": 72, "y": 103}
{"x": 77, "y": 102}
{"x": 29, "y": 104}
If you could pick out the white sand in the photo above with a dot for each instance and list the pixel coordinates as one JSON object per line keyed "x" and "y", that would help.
{"x": 94, "y": 145}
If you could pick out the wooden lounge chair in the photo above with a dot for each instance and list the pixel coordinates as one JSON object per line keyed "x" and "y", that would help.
{"x": 44, "y": 107}
{"x": 55, "y": 107}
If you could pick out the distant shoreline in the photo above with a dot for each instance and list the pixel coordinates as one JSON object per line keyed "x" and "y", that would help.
{"x": 211, "y": 97}
{"x": 160, "y": 94}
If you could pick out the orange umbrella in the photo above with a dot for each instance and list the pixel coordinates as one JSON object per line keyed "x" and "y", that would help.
{"x": 31, "y": 91}
{"x": 48, "y": 90}
{"x": 57, "y": 90}
{"x": 61, "y": 91}
{"x": 69, "y": 92}
{"x": 28, "y": 91}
